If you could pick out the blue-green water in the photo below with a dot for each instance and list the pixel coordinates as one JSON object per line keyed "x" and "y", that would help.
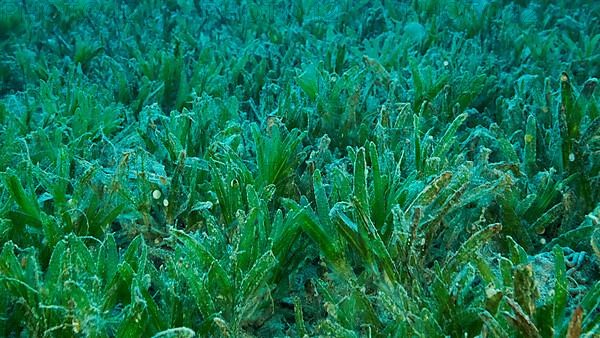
{"x": 299, "y": 168}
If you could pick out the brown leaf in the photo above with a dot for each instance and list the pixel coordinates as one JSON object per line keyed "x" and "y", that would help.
{"x": 574, "y": 330}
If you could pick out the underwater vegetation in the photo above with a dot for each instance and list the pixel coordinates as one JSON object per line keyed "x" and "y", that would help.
{"x": 300, "y": 168}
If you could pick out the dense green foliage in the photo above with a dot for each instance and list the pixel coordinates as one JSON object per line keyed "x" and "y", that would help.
{"x": 300, "y": 168}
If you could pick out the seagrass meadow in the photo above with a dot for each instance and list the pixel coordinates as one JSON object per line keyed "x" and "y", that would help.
{"x": 301, "y": 168}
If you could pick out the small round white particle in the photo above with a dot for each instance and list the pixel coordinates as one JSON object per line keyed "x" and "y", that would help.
{"x": 446, "y": 63}
{"x": 156, "y": 194}
{"x": 490, "y": 292}
{"x": 571, "y": 157}
{"x": 543, "y": 241}
{"x": 166, "y": 202}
